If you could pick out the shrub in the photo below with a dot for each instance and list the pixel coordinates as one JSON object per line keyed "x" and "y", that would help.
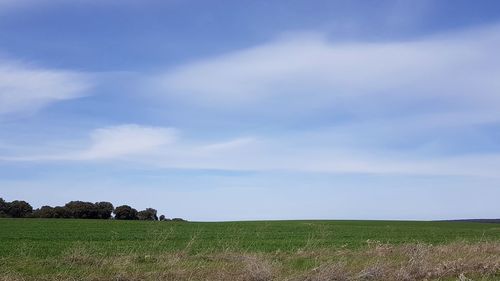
{"x": 82, "y": 210}
{"x": 104, "y": 210}
{"x": 3, "y": 208}
{"x": 44, "y": 212}
{"x": 61, "y": 213}
{"x": 149, "y": 214}
{"x": 77, "y": 210}
{"x": 19, "y": 209}
{"x": 125, "y": 212}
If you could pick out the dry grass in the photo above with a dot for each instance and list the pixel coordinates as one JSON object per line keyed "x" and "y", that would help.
{"x": 330, "y": 272}
{"x": 416, "y": 262}
{"x": 456, "y": 261}
{"x": 257, "y": 269}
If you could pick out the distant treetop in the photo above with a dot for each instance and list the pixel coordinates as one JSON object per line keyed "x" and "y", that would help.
{"x": 78, "y": 210}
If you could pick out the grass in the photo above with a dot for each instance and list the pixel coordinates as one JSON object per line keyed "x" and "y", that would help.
{"x": 44, "y": 249}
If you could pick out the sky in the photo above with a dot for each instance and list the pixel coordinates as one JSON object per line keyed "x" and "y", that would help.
{"x": 253, "y": 110}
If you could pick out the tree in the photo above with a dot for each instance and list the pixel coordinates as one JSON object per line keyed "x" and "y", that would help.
{"x": 149, "y": 214}
{"x": 82, "y": 210}
{"x": 44, "y": 212}
{"x": 125, "y": 212}
{"x": 61, "y": 213}
{"x": 77, "y": 210}
{"x": 179, "y": 220}
{"x": 3, "y": 208}
{"x": 104, "y": 210}
{"x": 19, "y": 209}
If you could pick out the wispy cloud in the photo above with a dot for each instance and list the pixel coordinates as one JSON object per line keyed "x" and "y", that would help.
{"x": 403, "y": 103}
{"x": 27, "y": 88}
{"x": 108, "y": 143}
{"x": 310, "y": 72}
{"x": 157, "y": 147}
{"x": 130, "y": 139}
{"x": 394, "y": 91}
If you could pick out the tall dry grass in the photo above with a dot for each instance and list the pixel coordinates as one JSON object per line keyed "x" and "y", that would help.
{"x": 457, "y": 261}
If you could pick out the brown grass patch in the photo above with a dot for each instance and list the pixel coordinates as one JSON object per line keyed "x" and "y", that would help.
{"x": 456, "y": 261}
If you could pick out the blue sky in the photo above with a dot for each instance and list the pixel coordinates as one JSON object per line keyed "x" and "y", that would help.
{"x": 239, "y": 110}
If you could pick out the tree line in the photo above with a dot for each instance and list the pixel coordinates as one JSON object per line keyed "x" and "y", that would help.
{"x": 79, "y": 210}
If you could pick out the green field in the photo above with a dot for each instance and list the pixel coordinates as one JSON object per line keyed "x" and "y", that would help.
{"x": 59, "y": 249}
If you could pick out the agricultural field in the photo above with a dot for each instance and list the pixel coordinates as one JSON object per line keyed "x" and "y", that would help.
{"x": 60, "y": 249}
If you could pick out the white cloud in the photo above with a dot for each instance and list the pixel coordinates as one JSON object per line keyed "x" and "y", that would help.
{"x": 118, "y": 141}
{"x": 26, "y": 88}
{"x": 435, "y": 89}
{"x": 156, "y": 147}
{"x": 109, "y": 143}
{"x": 311, "y": 72}
{"x": 300, "y": 154}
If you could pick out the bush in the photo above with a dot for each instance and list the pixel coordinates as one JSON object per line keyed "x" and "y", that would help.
{"x": 3, "y": 208}
{"x": 104, "y": 210}
{"x": 61, "y": 213}
{"x": 19, "y": 209}
{"x": 149, "y": 214}
{"x": 44, "y": 212}
{"x": 125, "y": 212}
{"x": 77, "y": 210}
{"x": 82, "y": 210}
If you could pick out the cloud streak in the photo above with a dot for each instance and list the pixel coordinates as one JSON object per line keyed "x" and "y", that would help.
{"x": 123, "y": 140}
{"x": 429, "y": 90}
{"x": 24, "y": 88}
{"x": 310, "y": 72}
{"x": 109, "y": 143}
{"x": 156, "y": 147}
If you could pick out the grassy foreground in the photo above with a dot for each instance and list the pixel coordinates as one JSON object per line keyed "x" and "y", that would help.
{"x": 44, "y": 249}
